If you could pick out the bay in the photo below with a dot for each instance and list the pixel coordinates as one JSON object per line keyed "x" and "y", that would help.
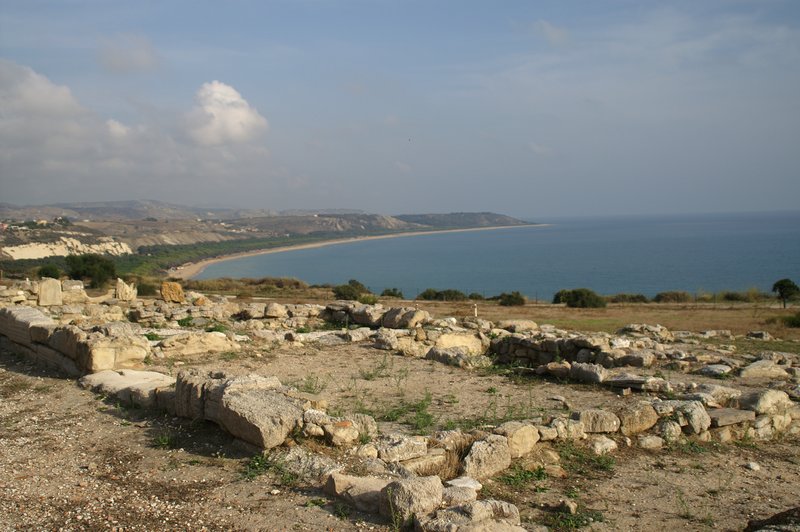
{"x": 644, "y": 254}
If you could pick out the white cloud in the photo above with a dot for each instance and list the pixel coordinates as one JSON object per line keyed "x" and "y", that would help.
{"x": 55, "y": 149}
{"x": 128, "y": 53}
{"x": 554, "y": 35}
{"x": 222, "y": 116}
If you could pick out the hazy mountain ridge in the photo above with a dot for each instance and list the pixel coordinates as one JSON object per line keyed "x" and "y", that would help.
{"x": 139, "y": 224}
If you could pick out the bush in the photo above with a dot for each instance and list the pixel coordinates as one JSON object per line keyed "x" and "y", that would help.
{"x": 392, "y": 292}
{"x": 629, "y": 298}
{"x": 350, "y": 291}
{"x": 514, "y": 299}
{"x": 49, "y": 270}
{"x": 792, "y": 321}
{"x": 734, "y": 296}
{"x": 442, "y": 295}
{"x": 673, "y": 297}
{"x": 94, "y": 267}
{"x": 579, "y": 298}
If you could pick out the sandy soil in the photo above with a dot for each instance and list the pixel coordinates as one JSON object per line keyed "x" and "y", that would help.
{"x": 187, "y": 271}
{"x": 74, "y": 461}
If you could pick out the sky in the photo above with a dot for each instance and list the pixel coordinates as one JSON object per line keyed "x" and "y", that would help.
{"x": 528, "y": 108}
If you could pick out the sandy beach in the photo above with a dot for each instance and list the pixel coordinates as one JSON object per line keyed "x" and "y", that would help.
{"x": 189, "y": 270}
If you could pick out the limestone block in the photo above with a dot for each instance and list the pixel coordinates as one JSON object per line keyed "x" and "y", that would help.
{"x": 769, "y": 402}
{"x": 405, "y": 498}
{"x": 522, "y": 437}
{"x": 396, "y": 447}
{"x": 172, "y": 292}
{"x": 722, "y": 417}
{"x": 125, "y": 291}
{"x": 363, "y": 493}
{"x": 596, "y": 420}
{"x": 637, "y": 418}
{"x": 487, "y": 457}
{"x": 49, "y": 292}
{"x": 484, "y": 515}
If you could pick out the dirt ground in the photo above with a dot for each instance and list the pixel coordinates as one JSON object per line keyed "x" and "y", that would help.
{"x": 70, "y": 460}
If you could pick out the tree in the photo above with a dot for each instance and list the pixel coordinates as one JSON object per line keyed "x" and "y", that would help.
{"x": 786, "y": 289}
{"x": 514, "y": 299}
{"x": 579, "y": 298}
{"x": 94, "y": 267}
{"x": 49, "y": 270}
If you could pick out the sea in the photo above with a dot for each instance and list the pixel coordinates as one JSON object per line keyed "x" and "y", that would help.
{"x": 623, "y": 254}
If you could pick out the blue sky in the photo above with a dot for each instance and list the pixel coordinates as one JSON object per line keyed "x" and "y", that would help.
{"x": 528, "y": 108}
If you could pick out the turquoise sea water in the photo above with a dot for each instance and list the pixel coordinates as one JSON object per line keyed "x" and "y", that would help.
{"x": 609, "y": 255}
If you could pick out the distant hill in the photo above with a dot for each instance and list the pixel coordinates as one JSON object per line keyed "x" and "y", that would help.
{"x": 457, "y": 220}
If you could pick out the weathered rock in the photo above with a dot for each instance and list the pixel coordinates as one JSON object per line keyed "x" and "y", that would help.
{"x": 429, "y": 464}
{"x": 363, "y": 493}
{"x": 637, "y": 418}
{"x": 396, "y": 447}
{"x": 590, "y": 373}
{"x": 341, "y": 433}
{"x": 769, "y": 402}
{"x": 650, "y": 442}
{"x": 369, "y": 315}
{"x": 518, "y": 326}
{"x": 405, "y": 318}
{"x": 596, "y": 420}
{"x": 488, "y": 515}
{"x": 49, "y": 292}
{"x": 715, "y": 370}
{"x": 459, "y": 357}
{"x": 275, "y": 311}
{"x": 128, "y": 386}
{"x": 601, "y": 445}
{"x": 405, "y": 498}
{"x": 125, "y": 291}
{"x": 722, "y": 417}
{"x": 641, "y": 359}
{"x": 522, "y": 437}
{"x": 487, "y": 457}
{"x": 763, "y": 369}
{"x": 259, "y": 416}
{"x": 195, "y": 343}
{"x": 670, "y": 430}
{"x": 568, "y": 429}
{"x": 172, "y": 292}
{"x": 454, "y": 496}
{"x": 472, "y": 343}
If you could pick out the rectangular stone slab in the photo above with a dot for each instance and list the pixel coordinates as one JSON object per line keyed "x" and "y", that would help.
{"x": 722, "y": 417}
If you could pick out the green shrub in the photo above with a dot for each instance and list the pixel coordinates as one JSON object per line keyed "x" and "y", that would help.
{"x": 146, "y": 289}
{"x": 579, "y": 298}
{"x": 673, "y": 297}
{"x": 94, "y": 267}
{"x": 514, "y": 299}
{"x": 628, "y": 298}
{"x": 392, "y": 292}
{"x": 49, "y": 270}
{"x": 345, "y": 291}
{"x": 792, "y": 321}
{"x": 351, "y": 291}
{"x": 450, "y": 294}
{"x": 734, "y": 296}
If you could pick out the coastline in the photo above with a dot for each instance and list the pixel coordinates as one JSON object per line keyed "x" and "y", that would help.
{"x": 192, "y": 269}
